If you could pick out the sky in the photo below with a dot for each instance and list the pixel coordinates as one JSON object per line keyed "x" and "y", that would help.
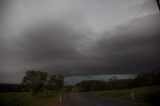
{"x": 78, "y": 37}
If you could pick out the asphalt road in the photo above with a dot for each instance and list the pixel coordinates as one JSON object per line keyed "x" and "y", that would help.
{"x": 80, "y": 99}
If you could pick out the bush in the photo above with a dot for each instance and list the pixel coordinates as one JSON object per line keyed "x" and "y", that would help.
{"x": 152, "y": 98}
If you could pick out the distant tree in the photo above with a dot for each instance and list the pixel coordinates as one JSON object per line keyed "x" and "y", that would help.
{"x": 113, "y": 78}
{"x": 5, "y": 87}
{"x": 142, "y": 79}
{"x": 91, "y": 85}
{"x": 68, "y": 88}
{"x": 35, "y": 80}
{"x": 147, "y": 79}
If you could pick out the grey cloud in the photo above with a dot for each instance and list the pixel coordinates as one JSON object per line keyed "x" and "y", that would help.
{"x": 66, "y": 45}
{"x": 124, "y": 52}
{"x": 132, "y": 51}
{"x": 53, "y": 47}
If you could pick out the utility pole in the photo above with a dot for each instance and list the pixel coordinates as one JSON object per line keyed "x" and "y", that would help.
{"x": 158, "y": 4}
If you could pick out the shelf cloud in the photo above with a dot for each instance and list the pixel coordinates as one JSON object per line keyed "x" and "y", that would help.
{"x": 74, "y": 41}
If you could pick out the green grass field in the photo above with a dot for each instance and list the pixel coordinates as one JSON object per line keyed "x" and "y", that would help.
{"x": 24, "y": 99}
{"x": 142, "y": 94}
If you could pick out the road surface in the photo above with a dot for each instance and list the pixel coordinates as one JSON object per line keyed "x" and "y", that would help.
{"x": 80, "y": 99}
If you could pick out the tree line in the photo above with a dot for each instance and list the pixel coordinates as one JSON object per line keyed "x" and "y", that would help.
{"x": 39, "y": 81}
{"x": 142, "y": 79}
{"x": 6, "y": 87}
{"x": 36, "y": 82}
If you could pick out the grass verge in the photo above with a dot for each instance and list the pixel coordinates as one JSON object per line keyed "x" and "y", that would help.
{"x": 149, "y": 95}
{"x": 24, "y": 99}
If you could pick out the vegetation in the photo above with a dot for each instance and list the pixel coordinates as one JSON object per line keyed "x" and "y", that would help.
{"x": 142, "y": 79}
{"x": 55, "y": 83}
{"x": 37, "y": 82}
{"x": 142, "y": 94}
{"x": 24, "y": 99}
{"x": 68, "y": 88}
{"x": 13, "y": 87}
{"x": 36, "y": 89}
{"x": 143, "y": 88}
{"x": 92, "y": 85}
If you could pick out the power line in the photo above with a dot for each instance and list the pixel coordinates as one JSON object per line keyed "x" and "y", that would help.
{"x": 140, "y": 10}
{"x": 134, "y": 19}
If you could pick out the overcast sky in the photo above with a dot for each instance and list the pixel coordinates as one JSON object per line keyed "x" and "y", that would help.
{"x": 78, "y": 37}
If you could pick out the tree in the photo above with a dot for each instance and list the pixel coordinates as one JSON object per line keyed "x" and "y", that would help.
{"x": 68, "y": 88}
{"x": 35, "y": 80}
{"x": 91, "y": 85}
{"x": 60, "y": 82}
{"x": 52, "y": 83}
{"x": 55, "y": 82}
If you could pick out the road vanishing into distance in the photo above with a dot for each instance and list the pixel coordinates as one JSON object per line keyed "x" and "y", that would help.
{"x": 81, "y": 99}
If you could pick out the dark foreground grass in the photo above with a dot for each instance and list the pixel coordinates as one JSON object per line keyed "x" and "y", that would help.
{"x": 25, "y": 99}
{"x": 149, "y": 95}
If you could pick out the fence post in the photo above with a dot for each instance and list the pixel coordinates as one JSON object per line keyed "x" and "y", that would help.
{"x": 132, "y": 95}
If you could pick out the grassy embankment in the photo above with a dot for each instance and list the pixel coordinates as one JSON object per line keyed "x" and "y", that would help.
{"x": 25, "y": 99}
{"x": 142, "y": 94}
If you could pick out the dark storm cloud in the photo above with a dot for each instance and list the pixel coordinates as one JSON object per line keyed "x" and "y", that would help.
{"x": 2, "y": 41}
{"x": 1, "y": 57}
{"x": 49, "y": 42}
{"x": 69, "y": 43}
{"x": 54, "y": 47}
{"x": 132, "y": 50}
